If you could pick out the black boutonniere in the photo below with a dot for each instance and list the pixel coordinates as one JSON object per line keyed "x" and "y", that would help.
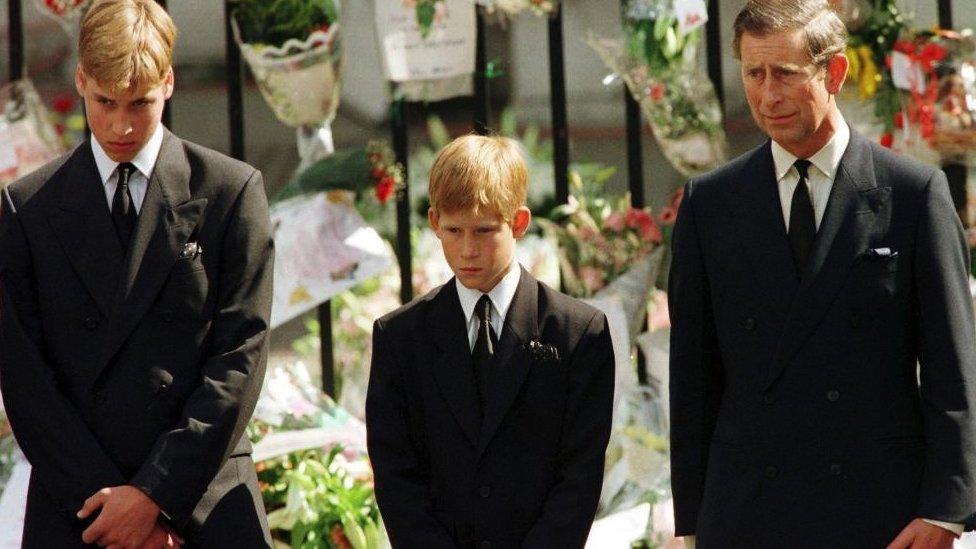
{"x": 541, "y": 352}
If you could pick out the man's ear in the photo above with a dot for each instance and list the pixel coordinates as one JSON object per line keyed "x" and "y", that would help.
{"x": 169, "y": 83}
{"x": 837, "y": 68}
{"x": 81, "y": 81}
{"x": 433, "y": 219}
{"x": 521, "y": 221}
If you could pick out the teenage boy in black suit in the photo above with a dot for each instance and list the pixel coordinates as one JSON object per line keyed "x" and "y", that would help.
{"x": 489, "y": 403}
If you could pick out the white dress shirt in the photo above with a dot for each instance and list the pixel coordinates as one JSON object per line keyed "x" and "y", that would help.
{"x": 820, "y": 180}
{"x": 501, "y": 297}
{"x": 144, "y": 162}
{"x": 820, "y": 176}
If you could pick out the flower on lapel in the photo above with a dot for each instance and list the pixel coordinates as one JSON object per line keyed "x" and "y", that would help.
{"x": 541, "y": 352}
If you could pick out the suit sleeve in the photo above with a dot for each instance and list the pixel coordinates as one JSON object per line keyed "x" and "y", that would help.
{"x": 947, "y": 353}
{"x": 185, "y": 460}
{"x": 400, "y": 476}
{"x": 695, "y": 368}
{"x": 69, "y": 461}
{"x": 570, "y": 506}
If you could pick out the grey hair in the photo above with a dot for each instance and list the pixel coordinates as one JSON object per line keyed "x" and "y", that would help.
{"x": 825, "y": 33}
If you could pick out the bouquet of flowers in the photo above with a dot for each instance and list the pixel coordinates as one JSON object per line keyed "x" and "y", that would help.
{"x": 599, "y": 238}
{"x": 295, "y": 53}
{"x": 637, "y": 463}
{"x": 321, "y": 499}
{"x": 873, "y": 28}
{"x": 657, "y": 59}
{"x": 28, "y": 140}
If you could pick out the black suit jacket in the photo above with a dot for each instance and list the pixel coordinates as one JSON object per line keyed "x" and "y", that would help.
{"x": 530, "y": 474}
{"x": 143, "y": 367}
{"x": 798, "y": 418}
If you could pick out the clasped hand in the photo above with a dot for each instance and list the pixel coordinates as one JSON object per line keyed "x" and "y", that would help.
{"x": 127, "y": 520}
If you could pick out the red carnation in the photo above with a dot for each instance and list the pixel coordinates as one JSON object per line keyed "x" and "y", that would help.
{"x": 887, "y": 140}
{"x": 384, "y": 189}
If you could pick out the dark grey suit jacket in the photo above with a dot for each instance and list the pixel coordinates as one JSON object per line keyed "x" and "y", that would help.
{"x": 798, "y": 419}
{"x": 137, "y": 367}
{"x": 529, "y": 474}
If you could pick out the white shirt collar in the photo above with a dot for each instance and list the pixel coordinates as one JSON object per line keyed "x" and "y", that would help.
{"x": 827, "y": 159}
{"x": 144, "y": 161}
{"x": 501, "y": 295}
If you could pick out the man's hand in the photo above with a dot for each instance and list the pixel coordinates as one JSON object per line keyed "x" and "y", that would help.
{"x": 922, "y": 535}
{"x": 162, "y": 537}
{"x": 126, "y": 520}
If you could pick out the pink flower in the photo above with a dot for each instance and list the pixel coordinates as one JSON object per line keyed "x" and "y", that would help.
{"x": 643, "y": 222}
{"x": 615, "y": 222}
{"x": 592, "y": 278}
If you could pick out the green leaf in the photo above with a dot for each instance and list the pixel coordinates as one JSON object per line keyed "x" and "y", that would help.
{"x": 425, "y": 17}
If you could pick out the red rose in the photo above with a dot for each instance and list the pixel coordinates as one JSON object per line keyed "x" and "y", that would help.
{"x": 657, "y": 92}
{"x": 63, "y": 103}
{"x": 384, "y": 189}
{"x": 899, "y": 120}
{"x": 887, "y": 140}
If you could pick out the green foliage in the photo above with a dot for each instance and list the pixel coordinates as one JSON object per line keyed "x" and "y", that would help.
{"x": 314, "y": 503}
{"x": 346, "y": 169}
{"x": 274, "y": 22}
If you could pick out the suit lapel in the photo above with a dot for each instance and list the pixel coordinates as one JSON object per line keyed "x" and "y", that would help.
{"x": 762, "y": 230}
{"x": 512, "y": 361}
{"x": 166, "y": 220}
{"x": 453, "y": 369}
{"x": 83, "y": 225}
{"x": 853, "y": 211}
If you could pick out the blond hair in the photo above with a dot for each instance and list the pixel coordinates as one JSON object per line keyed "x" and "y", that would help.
{"x": 476, "y": 172}
{"x": 126, "y": 44}
{"x": 823, "y": 30}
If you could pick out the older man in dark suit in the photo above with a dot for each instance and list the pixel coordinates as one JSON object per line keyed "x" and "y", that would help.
{"x": 810, "y": 277}
{"x": 135, "y": 279}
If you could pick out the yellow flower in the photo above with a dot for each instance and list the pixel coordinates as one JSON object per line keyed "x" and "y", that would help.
{"x": 869, "y": 75}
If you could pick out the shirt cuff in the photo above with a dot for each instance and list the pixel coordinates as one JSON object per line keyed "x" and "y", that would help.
{"x": 950, "y": 526}
{"x": 689, "y": 542}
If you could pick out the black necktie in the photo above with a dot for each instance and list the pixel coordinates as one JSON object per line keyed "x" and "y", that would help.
{"x": 123, "y": 211}
{"x": 484, "y": 347}
{"x": 803, "y": 224}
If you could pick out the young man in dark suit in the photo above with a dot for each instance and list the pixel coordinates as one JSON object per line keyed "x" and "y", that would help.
{"x": 489, "y": 402}
{"x": 135, "y": 280}
{"x": 810, "y": 277}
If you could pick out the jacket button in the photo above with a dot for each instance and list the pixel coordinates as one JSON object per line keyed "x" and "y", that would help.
{"x": 835, "y": 469}
{"x": 771, "y": 471}
{"x": 768, "y": 398}
{"x": 484, "y": 491}
{"x": 90, "y": 323}
{"x": 833, "y": 395}
{"x": 749, "y": 324}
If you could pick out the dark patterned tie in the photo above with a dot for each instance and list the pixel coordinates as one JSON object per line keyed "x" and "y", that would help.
{"x": 123, "y": 211}
{"x": 803, "y": 224}
{"x": 484, "y": 348}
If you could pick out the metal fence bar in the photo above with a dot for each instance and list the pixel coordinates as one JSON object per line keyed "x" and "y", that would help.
{"x": 713, "y": 50}
{"x": 168, "y": 108}
{"x": 482, "y": 90}
{"x": 16, "y": 35}
{"x": 560, "y": 130}
{"x": 235, "y": 88}
{"x": 403, "y": 251}
{"x": 945, "y": 14}
{"x": 326, "y": 349}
